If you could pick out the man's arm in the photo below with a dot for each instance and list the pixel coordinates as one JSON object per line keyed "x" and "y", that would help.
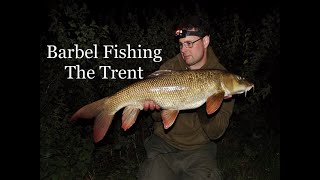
{"x": 215, "y": 125}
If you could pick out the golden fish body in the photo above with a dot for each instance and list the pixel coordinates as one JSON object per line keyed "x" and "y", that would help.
{"x": 171, "y": 90}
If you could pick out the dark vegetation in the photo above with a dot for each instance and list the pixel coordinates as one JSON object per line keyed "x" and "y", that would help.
{"x": 249, "y": 46}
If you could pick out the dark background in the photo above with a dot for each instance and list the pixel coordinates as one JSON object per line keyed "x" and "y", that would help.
{"x": 245, "y": 37}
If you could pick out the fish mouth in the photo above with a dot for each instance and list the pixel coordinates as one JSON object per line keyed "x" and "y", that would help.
{"x": 246, "y": 90}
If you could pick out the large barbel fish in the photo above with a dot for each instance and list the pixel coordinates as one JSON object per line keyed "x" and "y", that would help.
{"x": 171, "y": 90}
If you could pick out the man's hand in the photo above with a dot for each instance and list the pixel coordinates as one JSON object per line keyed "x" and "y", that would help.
{"x": 150, "y": 105}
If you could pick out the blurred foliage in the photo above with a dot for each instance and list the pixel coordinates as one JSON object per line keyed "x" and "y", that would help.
{"x": 66, "y": 148}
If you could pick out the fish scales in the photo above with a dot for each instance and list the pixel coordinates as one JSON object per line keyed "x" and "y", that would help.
{"x": 171, "y": 90}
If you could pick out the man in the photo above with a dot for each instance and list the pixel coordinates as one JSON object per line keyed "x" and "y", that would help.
{"x": 186, "y": 150}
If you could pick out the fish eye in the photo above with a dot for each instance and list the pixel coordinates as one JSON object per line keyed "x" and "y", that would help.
{"x": 239, "y": 77}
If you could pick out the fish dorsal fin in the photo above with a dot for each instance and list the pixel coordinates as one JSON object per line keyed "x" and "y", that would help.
{"x": 214, "y": 102}
{"x": 168, "y": 117}
{"x": 129, "y": 116}
{"x": 159, "y": 73}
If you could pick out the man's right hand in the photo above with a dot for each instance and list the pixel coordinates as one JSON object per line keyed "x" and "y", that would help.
{"x": 150, "y": 105}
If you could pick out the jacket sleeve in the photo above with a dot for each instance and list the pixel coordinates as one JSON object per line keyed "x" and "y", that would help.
{"x": 215, "y": 125}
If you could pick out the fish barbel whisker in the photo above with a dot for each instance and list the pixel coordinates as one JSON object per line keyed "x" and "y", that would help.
{"x": 248, "y": 89}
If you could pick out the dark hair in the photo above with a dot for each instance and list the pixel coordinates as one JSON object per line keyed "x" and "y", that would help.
{"x": 195, "y": 22}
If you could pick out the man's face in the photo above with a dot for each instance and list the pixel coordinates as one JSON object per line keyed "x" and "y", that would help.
{"x": 195, "y": 54}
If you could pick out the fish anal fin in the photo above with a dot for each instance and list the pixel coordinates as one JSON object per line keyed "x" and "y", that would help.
{"x": 214, "y": 102}
{"x": 101, "y": 125}
{"x": 168, "y": 117}
{"x": 129, "y": 116}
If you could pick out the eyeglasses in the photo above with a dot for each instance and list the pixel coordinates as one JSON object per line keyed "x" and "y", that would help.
{"x": 188, "y": 44}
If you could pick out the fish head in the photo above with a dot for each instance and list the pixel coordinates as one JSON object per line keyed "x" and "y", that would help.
{"x": 235, "y": 84}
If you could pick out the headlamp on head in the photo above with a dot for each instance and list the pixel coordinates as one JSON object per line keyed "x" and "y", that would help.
{"x": 183, "y": 33}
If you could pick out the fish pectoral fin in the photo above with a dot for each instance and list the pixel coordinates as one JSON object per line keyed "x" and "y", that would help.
{"x": 168, "y": 117}
{"x": 101, "y": 125}
{"x": 129, "y": 116}
{"x": 214, "y": 102}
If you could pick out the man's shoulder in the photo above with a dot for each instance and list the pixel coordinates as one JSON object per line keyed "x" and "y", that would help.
{"x": 172, "y": 63}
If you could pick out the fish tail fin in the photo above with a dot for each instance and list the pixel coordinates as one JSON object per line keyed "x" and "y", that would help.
{"x": 99, "y": 111}
{"x": 101, "y": 125}
{"x": 89, "y": 111}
